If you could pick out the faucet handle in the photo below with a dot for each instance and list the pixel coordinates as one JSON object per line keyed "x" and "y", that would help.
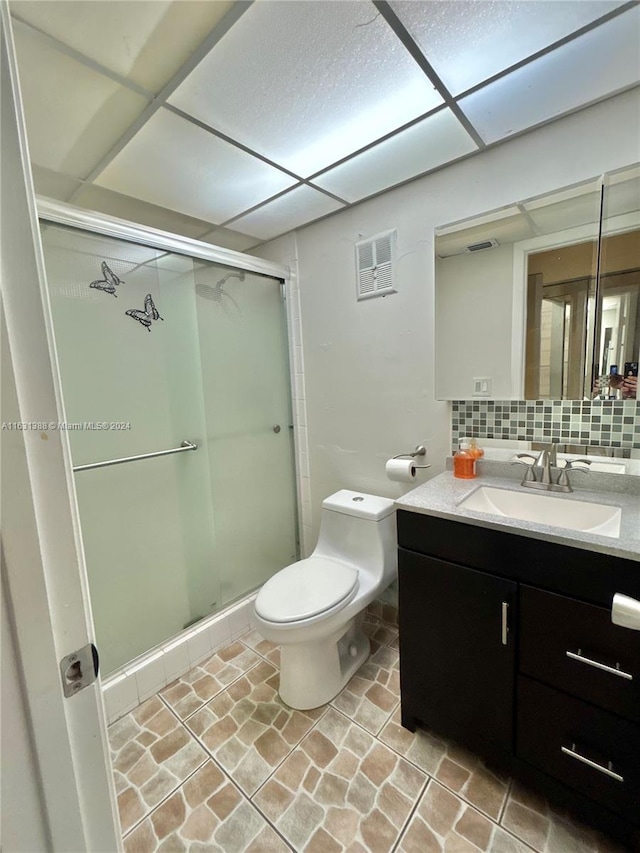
{"x": 563, "y": 476}
{"x": 530, "y": 475}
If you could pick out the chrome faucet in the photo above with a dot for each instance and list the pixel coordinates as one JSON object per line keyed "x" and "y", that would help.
{"x": 539, "y": 475}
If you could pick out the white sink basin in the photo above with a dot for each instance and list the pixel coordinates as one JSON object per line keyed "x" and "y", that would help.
{"x": 545, "y": 508}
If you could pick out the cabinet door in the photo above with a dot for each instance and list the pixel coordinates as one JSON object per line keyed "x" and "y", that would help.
{"x": 456, "y": 650}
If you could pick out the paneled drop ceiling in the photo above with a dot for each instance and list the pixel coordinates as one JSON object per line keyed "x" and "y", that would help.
{"x": 236, "y": 122}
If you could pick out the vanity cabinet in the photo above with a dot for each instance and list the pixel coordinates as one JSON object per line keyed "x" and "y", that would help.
{"x": 464, "y": 614}
{"x": 507, "y": 646}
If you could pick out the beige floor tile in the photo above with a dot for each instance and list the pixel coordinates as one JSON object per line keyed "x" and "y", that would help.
{"x": 421, "y": 747}
{"x": 456, "y": 768}
{"x": 443, "y": 821}
{"x": 264, "y": 648}
{"x": 152, "y": 753}
{"x": 341, "y": 787}
{"x": 530, "y": 817}
{"x": 202, "y": 683}
{"x": 374, "y": 691}
{"x": 206, "y": 813}
{"x": 248, "y": 729}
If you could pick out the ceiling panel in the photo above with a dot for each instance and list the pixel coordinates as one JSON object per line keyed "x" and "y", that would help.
{"x": 295, "y": 208}
{"x": 307, "y": 83}
{"x": 589, "y": 68}
{"x": 428, "y": 144}
{"x": 74, "y": 115}
{"x": 144, "y": 40}
{"x": 468, "y": 42}
{"x": 175, "y": 164}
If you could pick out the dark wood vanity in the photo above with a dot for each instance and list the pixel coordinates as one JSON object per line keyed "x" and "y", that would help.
{"x": 507, "y": 646}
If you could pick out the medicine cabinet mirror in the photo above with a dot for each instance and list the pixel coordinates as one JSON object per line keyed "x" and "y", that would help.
{"x": 541, "y": 299}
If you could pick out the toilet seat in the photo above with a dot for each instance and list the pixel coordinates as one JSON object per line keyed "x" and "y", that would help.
{"x": 306, "y": 589}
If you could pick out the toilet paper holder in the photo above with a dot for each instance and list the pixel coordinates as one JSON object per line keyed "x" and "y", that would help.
{"x": 420, "y": 450}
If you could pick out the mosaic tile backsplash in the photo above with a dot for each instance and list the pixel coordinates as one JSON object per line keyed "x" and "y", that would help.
{"x": 605, "y": 423}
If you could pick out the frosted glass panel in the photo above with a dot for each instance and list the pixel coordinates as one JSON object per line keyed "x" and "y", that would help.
{"x": 243, "y": 346}
{"x": 174, "y": 164}
{"x": 428, "y": 144}
{"x": 290, "y": 210}
{"x": 344, "y": 80}
{"x": 163, "y": 551}
{"x": 591, "y": 67}
{"x": 468, "y": 42}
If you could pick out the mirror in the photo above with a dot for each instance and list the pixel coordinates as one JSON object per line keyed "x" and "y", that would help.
{"x": 541, "y": 300}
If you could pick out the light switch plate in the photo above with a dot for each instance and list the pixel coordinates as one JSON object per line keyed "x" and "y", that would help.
{"x": 481, "y": 386}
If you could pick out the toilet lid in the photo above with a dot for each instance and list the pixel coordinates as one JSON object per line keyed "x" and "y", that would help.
{"x": 305, "y": 589}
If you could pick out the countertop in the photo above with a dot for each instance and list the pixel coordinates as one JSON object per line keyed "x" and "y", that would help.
{"x": 442, "y": 495}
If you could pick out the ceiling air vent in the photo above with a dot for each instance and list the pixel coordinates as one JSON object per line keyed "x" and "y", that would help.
{"x": 484, "y": 244}
{"x": 374, "y": 261}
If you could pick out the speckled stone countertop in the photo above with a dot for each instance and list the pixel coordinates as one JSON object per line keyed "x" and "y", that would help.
{"x": 442, "y": 495}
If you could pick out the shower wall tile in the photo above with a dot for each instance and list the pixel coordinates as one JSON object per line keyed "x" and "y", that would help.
{"x": 176, "y": 659}
{"x": 150, "y": 677}
{"x": 120, "y": 696}
{"x": 199, "y": 646}
{"x": 605, "y": 423}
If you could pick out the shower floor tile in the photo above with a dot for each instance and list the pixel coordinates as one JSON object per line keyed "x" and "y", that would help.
{"x": 237, "y": 771}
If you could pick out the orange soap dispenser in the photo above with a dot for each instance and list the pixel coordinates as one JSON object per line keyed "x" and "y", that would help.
{"x": 476, "y": 451}
{"x": 464, "y": 463}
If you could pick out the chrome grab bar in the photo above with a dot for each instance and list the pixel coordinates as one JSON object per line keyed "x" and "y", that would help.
{"x": 185, "y": 445}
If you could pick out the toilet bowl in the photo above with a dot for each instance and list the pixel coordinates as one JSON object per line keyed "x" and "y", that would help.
{"x": 314, "y": 609}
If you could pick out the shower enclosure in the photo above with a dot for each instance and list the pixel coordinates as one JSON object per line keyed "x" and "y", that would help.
{"x": 158, "y": 349}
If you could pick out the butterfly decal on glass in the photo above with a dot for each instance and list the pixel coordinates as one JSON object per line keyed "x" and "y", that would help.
{"x": 147, "y": 316}
{"x": 110, "y": 281}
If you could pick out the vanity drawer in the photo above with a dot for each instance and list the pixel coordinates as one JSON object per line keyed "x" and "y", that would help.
{"x": 588, "y": 749}
{"x": 576, "y": 647}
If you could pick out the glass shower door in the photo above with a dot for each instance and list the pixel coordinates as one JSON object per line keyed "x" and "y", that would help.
{"x": 155, "y": 348}
{"x": 131, "y": 385}
{"x": 245, "y": 375}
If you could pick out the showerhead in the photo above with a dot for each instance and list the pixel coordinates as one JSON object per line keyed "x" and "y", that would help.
{"x": 239, "y": 274}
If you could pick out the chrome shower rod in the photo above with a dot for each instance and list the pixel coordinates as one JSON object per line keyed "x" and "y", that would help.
{"x": 185, "y": 445}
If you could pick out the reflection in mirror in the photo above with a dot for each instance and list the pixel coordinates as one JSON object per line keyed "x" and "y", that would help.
{"x": 617, "y": 339}
{"x": 562, "y": 305}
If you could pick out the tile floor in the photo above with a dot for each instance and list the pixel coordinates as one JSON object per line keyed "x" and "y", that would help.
{"x": 216, "y": 762}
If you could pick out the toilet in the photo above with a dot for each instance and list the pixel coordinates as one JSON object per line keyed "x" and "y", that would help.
{"x": 314, "y": 609}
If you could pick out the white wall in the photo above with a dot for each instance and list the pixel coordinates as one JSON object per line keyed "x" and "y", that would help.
{"x": 369, "y": 366}
{"x": 474, "y": 313}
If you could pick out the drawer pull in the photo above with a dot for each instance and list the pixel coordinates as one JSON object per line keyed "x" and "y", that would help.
{"x": 505, "y": 623}
{"x": 578, "y": 656}
{"x": 606, "y": 770}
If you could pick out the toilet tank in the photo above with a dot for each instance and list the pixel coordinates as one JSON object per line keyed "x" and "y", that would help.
{"x": 360, "y": 529}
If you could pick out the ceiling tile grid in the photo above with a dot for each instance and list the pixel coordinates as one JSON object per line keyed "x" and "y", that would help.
{"x": 291, "y": 110}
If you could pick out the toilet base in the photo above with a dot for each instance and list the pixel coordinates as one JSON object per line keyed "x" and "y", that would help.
{"x": 312, "y": 674}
